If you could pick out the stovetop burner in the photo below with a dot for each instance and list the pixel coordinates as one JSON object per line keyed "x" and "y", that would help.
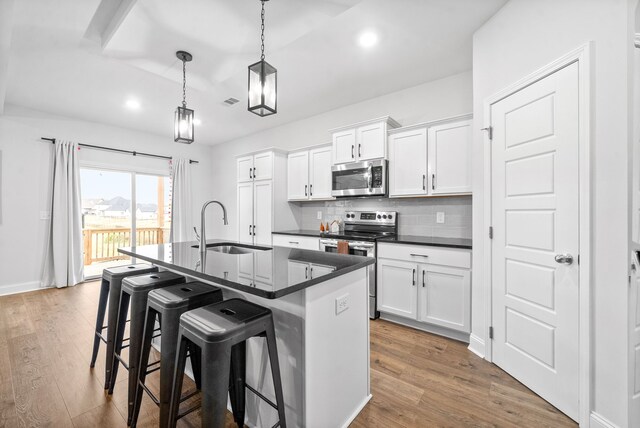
{"x": 367, "y": 226}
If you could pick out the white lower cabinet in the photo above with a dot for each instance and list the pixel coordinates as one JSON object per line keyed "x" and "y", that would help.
{"x": 301, "y": 271}
{"x": 416, "y": 287}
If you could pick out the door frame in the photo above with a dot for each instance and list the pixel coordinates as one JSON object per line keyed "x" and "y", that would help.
{"x": 583, "y": 56}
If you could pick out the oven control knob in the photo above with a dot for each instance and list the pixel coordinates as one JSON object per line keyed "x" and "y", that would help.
{"x": 390, "y": 217}
{"x": 384, "y": 216}
{"x": 379, "y": 216}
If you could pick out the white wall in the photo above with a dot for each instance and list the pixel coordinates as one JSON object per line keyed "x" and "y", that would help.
{"x": 446, "y": 97}
{"x": 26, "y": 174}
{"x": 522, "y": 37}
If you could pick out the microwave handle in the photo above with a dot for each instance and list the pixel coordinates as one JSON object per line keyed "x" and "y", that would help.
{"x": 370, "y": 177}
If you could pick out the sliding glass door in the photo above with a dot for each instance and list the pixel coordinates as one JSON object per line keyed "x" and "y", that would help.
{"x": 121, "y": 209}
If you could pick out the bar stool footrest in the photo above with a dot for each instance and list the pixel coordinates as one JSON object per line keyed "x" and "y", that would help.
{"x": 269, "y": 402}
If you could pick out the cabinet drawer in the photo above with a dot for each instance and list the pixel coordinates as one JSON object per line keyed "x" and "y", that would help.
{"x": 293, "y": 241}
{"x": 424, "y": 254}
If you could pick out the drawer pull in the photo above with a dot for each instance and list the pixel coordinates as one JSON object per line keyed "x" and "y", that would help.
{"x": 418, "y": 255}
{"x": 293, "y": 242}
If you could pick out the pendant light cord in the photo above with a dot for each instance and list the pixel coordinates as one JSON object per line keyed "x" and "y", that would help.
{"x": 184, "y": 83}
{"x": 262, "y": 32}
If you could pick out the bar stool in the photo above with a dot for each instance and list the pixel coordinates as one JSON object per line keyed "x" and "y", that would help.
{"x": 220, "y": 331}
{"x": 110, "y": 289}
{"x": 167, "y": 304}
{"x": 135, "y": 291}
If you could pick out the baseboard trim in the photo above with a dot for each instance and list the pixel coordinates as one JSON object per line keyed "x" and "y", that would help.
{"x": 357, "y": 411}
{"x": 476, "y": 345}
{"x": 429, "y": 328}
{"x": 598, "y": 421}
{"x": 23, "y": 287}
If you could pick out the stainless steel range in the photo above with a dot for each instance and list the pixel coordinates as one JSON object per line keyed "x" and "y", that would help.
{"x": 361, "y": 230}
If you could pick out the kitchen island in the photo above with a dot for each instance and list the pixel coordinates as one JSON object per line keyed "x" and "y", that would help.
{"x": 319, "y": 302}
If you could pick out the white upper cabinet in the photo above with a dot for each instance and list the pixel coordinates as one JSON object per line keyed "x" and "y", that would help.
{"x": 450, "y": 158}
{"x": 255, "y": 167}
{"x": 309, "y": 174}
{"x": 245, "y": 169}
{"x": 320, "y": 173}
{"x": 430, "y": 159}
{"x": 362, "y": 141}
{"x": 408, "y": 163}
{"x": 298, "y": 176}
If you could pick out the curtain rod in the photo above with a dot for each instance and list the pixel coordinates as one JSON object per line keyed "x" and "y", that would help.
{"x": 110, "y": 149}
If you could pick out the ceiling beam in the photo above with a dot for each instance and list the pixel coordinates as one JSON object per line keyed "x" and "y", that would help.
{"x": 6, "y": 26}
{"x": 109, "y": 15}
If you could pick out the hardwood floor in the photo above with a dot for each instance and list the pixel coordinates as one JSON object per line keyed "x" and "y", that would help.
{"x": 417, "y": 379}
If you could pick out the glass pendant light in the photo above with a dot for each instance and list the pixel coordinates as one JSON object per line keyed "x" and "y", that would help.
{"x": 183, "y": 132}
{"x": 263, "y": 79}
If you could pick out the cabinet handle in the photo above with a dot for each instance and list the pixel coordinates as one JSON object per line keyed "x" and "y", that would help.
{"x": 311, "y": 270}
{"x": 305, "y": 190}
{"x": 294, "y": 242}
{"x": 423, "y": 282}
{"x": 359, "y": 150}
{"x": 310, "y": 189}
{"x": 414, "y": 277}
{"x": 352, "y": 155}
{"x": 418, "y": 255}
{"x": 306, "y": 272}
{"x": 250, "y": 169}
{"x": 254, "y": 230}
{"x": 249, "y": 230}
{"x": 424, "y": 181}
{"x": 433, "y": 182}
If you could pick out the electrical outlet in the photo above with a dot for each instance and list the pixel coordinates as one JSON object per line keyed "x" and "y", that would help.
{"x": 45, "y": 215}
{"x": 319, "y": 215}
{"x": 342, "y": 303}
{"x": 440, "y": 217}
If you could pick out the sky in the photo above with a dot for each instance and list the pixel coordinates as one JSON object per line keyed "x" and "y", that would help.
{"x": 100, "y": 184}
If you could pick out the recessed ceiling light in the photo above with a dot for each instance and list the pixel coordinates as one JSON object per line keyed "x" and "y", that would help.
{"x": 368, "y": 39}
{"x": 132, "y": 104}
{"x": 197, "y": 122}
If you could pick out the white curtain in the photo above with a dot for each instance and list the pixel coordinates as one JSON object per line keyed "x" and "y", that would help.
{"x": 63, "y": 261}
{"x": 181, "y": 201}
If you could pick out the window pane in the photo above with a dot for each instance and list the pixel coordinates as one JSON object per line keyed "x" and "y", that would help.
{"x": 153, "y": 213}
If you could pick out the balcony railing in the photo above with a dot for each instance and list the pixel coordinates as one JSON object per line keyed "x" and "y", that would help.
{"x": 101, "y": 245}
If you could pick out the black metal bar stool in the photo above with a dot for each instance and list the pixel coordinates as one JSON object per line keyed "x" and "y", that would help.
{"x": 134, "y": 293}
{"x": 167, "y": 304}
{"x": 110, "y": 289}
{"x": 220, "y": 331}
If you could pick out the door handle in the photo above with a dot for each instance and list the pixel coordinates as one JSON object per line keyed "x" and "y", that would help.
{"x": 433, "y": 182}
{"x": 414, "y": 277}
{"x": 565, "y": 259}
{"x": 359, "y": 150}
{"x": 305, "y": 190}
{"x": 423, "y": 281}
{"x": 424, "y": 181}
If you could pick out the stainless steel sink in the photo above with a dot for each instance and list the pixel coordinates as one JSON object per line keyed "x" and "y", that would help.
{"x": 232, "y": 248}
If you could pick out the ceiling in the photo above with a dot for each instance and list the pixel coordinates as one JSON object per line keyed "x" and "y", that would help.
{"x": 85, "y": 58}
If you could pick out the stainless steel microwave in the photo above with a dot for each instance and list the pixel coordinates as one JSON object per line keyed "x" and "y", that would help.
{"x": 367, "y": 178}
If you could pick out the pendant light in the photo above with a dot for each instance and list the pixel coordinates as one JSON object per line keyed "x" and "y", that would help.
{"x": 263, "y": 79}
{"x": 183, "y": 132}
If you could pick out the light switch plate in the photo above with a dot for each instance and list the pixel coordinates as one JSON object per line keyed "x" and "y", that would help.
{"x": 342, "y": 303}
{"x": 440, "y": 217}
{"x": 319, "y": 215}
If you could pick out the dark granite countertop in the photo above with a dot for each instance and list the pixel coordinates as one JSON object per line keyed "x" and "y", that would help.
{"x": 431, "y": 241}
{"x": 304, "y": 232}
{"x": 265, "y": 273}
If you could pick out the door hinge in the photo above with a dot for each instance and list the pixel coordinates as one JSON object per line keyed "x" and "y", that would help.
{"x": 490, "y": 232}
{"x": 489, "y": 129}
{"x": 490, "y": 332}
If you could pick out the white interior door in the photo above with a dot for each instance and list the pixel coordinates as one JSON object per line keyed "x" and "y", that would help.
{"x": 262, "y": 212}
{"x": 408, "y": 163}
{"x": 320, "y": 173}
{"x": 245, "y": 212}
{"x": 535, "y": 220}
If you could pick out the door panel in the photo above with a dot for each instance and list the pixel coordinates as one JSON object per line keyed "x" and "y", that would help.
{"x": 344, "y": 146}
{"x": 450, "y": 158}
{"x": 397, "y": 292}
{"x": 371, "y": 140}
{"x": 245, "y": 169}
{"x": 408, "y": 163}
{"x": 320, "y": 174}
{"x": 245, "y": 212}
{"x": 298, "y": 176}
{"x": 535, "y": 217}
{"x": 262, "y": 212}
{"x": 263, "y": 166}
{"x": 445, "y": 297}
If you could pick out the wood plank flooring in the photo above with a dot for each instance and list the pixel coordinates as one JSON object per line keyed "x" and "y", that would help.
{"x": 417, "y": 379}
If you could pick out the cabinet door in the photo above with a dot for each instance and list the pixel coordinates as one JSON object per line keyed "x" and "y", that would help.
{"x": 245, "y": 169}
{"x": 245, "y": 266}
{"x": 444, "y": 297}
{"x": 408, "y": 163}
{"x": 397, "y": 289}
{"x": 298, "y": 272}
{"x": 371, "y": 141}
{"x": 450, "y": 158}
{"x": 262, "y": 212}
{"x": 263, "y": 267}
{"x": 344, "y": 145}
{"x": 298, "y": 176}
{"x": 316, "y": 271}
{"x": 263, "y": 166}
{"x": 245, "y": 212}
{"x": 320, "y": 173}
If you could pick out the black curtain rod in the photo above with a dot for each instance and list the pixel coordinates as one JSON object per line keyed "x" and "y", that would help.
{"x": 110, "y": 149}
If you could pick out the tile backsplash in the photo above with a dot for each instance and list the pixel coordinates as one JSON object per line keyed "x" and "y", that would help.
{"x": 415, "y": 216}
